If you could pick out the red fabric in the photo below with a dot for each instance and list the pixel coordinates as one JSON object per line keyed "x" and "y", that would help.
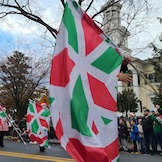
{"x": 29, "y": 118}
{"x": 29, "y": 131}
{"x": 61, "y": 69}
{"x": 112, "y": 150}
{"x": 101, "y": 95}
{"x": 0, "y": 122}
{"x": 94, "y": 128}
{"x": 83, "y": 153}
{"x": 59, "y": 130}
{"x": 43, "y": 123}
{"x": 91, "y": 33}
{"x": 39, "y": 140}
{"x": 38, "y": 107}
{"x": 4, "y": 127}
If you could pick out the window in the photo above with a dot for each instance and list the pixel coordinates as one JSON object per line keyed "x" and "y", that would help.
{"x": 151, "y": 78}
{"x": 130, "y": 84}
{"x": 139, "y": 81}
{"x": 113, "y": 12}
{"x": 146, "y": 77}
{"x": 108, "y": 13}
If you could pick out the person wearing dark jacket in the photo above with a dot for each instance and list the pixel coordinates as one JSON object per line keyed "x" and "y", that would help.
{"x": 123, "y": 134}
{"x": 158, "y": 126}
{"x": 149, "y": 136}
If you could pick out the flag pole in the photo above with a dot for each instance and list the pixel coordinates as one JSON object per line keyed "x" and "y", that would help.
{"x": 145, "y": 79}
{"x": 13, "y": 126}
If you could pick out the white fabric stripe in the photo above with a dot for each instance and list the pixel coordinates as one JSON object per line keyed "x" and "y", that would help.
{"x": 63, "y": 96}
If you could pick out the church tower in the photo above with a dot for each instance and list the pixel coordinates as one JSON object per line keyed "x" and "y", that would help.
{"x": 113, "y": 28}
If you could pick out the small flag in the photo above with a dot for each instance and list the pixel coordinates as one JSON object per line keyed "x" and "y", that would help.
{"x": 2, "y": 115}
{"x": 37, "y": 123}
{"x": 83, "y": 85}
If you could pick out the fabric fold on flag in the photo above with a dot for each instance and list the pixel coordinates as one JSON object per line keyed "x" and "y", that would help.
{"x": 83, "y": 81}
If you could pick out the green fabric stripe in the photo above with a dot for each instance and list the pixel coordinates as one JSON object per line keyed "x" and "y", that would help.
{"x": 116, "y": 87}
{"x": 31, "y": 108}
{"x": 51, "y": 100}
{"x": 118, "y": 160}
{"x": 106, "y": 120}
{"x": 3, "y": 115}
{"x": 35, "y": 127}
{"x": 46, "y": 143}
{"x": 69, "y": 22}
{"x": 75, "y": 5}
{"x": 79, "y": 109}
{"x": 108, "y": 61}
{"x": 46, "y": 113}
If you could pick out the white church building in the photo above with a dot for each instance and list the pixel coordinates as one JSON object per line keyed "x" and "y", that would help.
{"x": 119, "y": 35}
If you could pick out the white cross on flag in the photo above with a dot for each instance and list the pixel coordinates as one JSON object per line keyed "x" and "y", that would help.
{"x": 83, "y": 83}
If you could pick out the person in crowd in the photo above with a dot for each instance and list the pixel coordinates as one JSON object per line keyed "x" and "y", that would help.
{"x": 10, "y": 122}
{"x": 134, "y": 136}
{"x": 23, "y": 122}
{"x": 132, "y": 116}
{"x": 24, "y": 135}
{"x": 3, "y": 128}
{"x": 149, "y": 136}
{"x": 123, "y": 134}
{"x": 158, "y": 126}
{"x": 141, "y": 135}
{"x": 136, "y": 118}
{"x": 153, "y": 112}
{"x": 14, "y": 133}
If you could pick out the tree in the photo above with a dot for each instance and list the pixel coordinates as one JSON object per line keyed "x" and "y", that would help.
{"x": 132, "y": 10}
{"x": 127, "y": 101}
{"x": 20, "y": 77}
{"x": 157, "y": 62}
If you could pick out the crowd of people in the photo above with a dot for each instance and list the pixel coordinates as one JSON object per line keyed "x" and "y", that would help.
{"x": 143, "y": 132}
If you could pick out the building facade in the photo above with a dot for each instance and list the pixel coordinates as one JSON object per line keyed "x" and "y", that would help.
{"x": 119, "y": 35}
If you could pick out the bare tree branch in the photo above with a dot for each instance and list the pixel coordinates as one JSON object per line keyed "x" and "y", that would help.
{"x": 80, "y": 2}
{"x": 89, "y": 6}
{"x": 105, "y": 8}
{"x": 29, "y": 16}
{"x": 63, "y": 3}
{"x": 4, "y": 14}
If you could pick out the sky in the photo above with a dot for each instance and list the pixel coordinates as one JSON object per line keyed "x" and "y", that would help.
{"x": 18, "y": 33}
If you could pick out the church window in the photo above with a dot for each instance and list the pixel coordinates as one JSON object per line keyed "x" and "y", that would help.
{"x": 151, "y": 78}
{"x": 113, "y": 12}
{"x": 139, "y": 81}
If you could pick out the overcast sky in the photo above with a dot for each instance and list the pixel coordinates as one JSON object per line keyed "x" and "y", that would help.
{"x": 18, "y": 33}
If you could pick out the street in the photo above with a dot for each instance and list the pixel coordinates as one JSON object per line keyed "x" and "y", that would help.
{"x": 17, "y": 152}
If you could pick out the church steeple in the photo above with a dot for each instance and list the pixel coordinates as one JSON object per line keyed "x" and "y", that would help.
{"x": 112, "y": 25}
{"x": 112, "y": 15}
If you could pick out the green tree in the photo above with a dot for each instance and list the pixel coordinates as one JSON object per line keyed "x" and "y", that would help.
{"x": 127, "y": 101}
{"x": 20, "y": 77}
{"x": 157, "y": 62}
